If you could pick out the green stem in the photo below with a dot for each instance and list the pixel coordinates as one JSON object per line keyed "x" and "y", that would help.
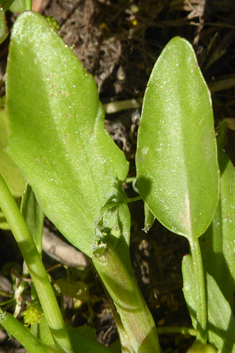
{"x": 135, "y": 316}
{"x": 183, "y": 330}
{"x": 36, "y": 268}
{"x": 130, "y": 180}
{"x": 123, "y": 337}
{"x": 28, "y": 5}
{"x": 201, "y": 306}
{"x": 114, "y": 107}
{"x": 133, "y": 199}
{"x": 222, "y": 84}
{"x": 22, "y": 334}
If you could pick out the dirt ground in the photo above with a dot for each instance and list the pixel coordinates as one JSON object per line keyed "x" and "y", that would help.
{"x": 118, "y": 42}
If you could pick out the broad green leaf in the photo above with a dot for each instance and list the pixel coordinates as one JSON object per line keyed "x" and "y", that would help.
{"x": 218, "y": 242}
{"x": 21, "y": 5}
{"x": 57, "y": 135}
{"x": 82, "y": 339}
{"x": 176, "y": 157}
{"x": 5, "y": 4}
{"x": 115, "y": 347}
{"x": 8, "y": 169}
{"x": 221, "y": 323}
{"x": 78, "y": 289}
{"x": 3, "y": 26}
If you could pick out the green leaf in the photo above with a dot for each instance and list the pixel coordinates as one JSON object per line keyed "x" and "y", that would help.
{"x": 176, "y": 157}
{"x": 3, "y": 26}
{"x": 5, "y": 4}
{"x": 8, "y": 169}
{"x": 115, "y": 347}
{"x": 33, "y": 216}
{"x": 57, "y": 135}
{"x": 217, "y": 244}
{"x": 221, "y": 323}
{"x": 21, "y": 5}
{"x": 78, "y": 289}
{"x": 148, "y": 218}
{"x": 82, "y": 340}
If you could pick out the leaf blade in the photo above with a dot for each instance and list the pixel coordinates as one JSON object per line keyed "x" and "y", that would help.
{"x": 177, "y": 168}
{"x": 217, "y": 243}
{"x": 221, "y": 323}
{"x": 57, "y": 132}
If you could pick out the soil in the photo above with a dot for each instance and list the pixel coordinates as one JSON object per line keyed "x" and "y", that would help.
{"x": 118, "y": 42}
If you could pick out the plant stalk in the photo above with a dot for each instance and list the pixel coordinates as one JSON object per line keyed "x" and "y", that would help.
{"x": 171, "y": 329}
{"x": 201, "y": 306}
{"x": 22, "y": 334}
{"x": 36, "y": 268}
{"x": 135, "y": 316}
